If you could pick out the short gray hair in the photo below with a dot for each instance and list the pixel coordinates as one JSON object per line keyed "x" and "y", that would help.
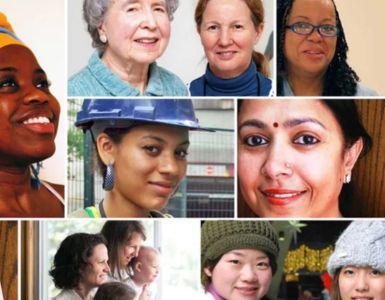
{"x": 94, "y": 12}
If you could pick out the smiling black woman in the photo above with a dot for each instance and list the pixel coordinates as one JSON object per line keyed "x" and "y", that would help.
{"x": 29, "y": 117}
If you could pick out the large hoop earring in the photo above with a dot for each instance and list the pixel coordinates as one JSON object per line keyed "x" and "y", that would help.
{"x": 109, "y": 178}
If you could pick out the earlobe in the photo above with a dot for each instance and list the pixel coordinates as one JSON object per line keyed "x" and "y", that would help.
{"x": 208, "y": 272}
{"x": 106, "y": 148}
{"x": 352, "y": 154}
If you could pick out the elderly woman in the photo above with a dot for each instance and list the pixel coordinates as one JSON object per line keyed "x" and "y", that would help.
{"x": 358, "y": 262}
{"x": 312, "y": 51}
{"x": 142, "y": 149}
{"x": 229, "y": 29}
{"x": 295, "y": 157}
{"x": 29, "y": 117}
{"x": 80, "y": 266}
{"x": 238, "y": 259}
{"x": 129, "y": 36}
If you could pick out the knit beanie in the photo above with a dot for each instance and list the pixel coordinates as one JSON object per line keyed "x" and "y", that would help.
{"x": 361, "y": 244}
{"x": 7, "y": 35}
{"x": 220, "y": 237}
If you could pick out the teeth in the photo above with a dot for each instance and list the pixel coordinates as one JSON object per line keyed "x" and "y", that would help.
{"x": 282, "y": 196}
{"x": 37, "y": 120}
{"x": 147, "y": 41}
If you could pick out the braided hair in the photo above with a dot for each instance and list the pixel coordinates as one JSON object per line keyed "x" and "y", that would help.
{"x": 340, "y": 79}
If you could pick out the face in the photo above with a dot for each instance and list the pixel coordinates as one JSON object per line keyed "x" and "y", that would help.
{"x": 310, "y": 55}
{"x": 361, "y": 283}
{"x": 95, "y": 273}
{"x": 291, "y": 158}
{"x": 149, "y": 267}
{"x": 137, "y": 31}
{"x": 149, "y": 164}
{"x": 29, "y": 114}
{"x": 228, "y": 36}
{"x": 130, "y": 249}
{"x": 242, "y": 274}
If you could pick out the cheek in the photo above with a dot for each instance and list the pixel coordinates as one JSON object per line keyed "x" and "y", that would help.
{"x": 207, "y": 40}
{"x": 249, "y": 166}
{"x": 164, "y": 27}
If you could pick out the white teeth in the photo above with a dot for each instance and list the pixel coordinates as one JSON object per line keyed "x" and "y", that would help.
{"x": 37, "y": 120}
{"x": 147, "y": 41}
{"x": 282, "y": 196}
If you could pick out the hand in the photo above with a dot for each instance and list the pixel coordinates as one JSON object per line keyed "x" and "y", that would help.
{"x": 144, "y": 295}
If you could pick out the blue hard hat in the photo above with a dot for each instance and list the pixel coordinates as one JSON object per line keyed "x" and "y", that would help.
{"x": 122, "y": 112}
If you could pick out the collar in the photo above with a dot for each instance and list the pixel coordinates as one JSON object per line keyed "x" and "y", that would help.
{"x": 214, "y": 292}
{"x": 243, "y": 84}
{"x": 117, "y": 87}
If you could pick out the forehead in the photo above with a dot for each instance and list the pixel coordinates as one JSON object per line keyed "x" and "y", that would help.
{"x": 99, "y": 252}
{"x": 167, "y": 133}
{"x": 17, "y": 56}
{"x": 283, "y": 109}
{"x": 232, "y": 7}
{"x": 313, "y": 9}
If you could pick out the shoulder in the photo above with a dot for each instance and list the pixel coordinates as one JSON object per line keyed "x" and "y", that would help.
{"x": 362, "y": 90}
{"x": 88, "y": 212}
{"x": 265, "y": 84}
{"x": 173, "y": 85}
{"x": 196, "y": 86}
{"x": 67, "y": 295}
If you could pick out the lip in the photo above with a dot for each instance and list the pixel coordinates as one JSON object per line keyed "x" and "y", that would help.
{"x": 314, "y": 53}
{"x": 147, "y": 42}
{"x": 39, "y": 121}
{"x": 281, "y": 197}
{"x": 226, "y": 54}
{"x": 163, "y": 188}
{"x": 247, "y": 291}
{"x": 362, "y": 298}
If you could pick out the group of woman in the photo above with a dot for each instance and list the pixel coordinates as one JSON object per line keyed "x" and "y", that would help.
{"x": 130, "y": 37}
{"x": 84, "y": 262}
{"x": 239, "y": 259}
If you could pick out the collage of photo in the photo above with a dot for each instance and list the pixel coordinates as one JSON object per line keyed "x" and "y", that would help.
{"x": 192, "y": 149}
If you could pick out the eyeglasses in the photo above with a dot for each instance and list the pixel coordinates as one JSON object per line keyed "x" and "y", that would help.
{"x": 304, "y": 28}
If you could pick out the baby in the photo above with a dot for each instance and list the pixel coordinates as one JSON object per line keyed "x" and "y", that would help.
{"x": 145, "y": 270}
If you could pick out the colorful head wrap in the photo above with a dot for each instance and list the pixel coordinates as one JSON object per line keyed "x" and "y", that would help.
{"x": 7, "y": 35}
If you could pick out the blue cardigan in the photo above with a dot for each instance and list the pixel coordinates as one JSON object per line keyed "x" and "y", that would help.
{"x": 249, "y": 83}
{"x": 96, "y": 79}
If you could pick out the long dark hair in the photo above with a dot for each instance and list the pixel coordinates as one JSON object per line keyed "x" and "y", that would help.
{"x": 340, "y": 79}
{"x": 346, "y": 113}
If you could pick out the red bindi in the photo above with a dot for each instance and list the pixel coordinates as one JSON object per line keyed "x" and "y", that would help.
{"x": 275, "y": 124}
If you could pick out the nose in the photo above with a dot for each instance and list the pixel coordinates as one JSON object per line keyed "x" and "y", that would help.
{"x": 225, "y": 37}
{"x": 249, "y": 273}
{"x": 168, "y": 164}
{"x": 362, "y": 283}
{"x": 106, "y": 268}
{"x": 277, "y": 162}
{"x": 35, "y": 95}
{"x": 148, "y": 20}
{"x": 315, "y": 36}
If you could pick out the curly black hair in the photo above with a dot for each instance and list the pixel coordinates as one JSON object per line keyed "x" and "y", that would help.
{"x": 340, "y": 79}
{"x": 71, "y": 258}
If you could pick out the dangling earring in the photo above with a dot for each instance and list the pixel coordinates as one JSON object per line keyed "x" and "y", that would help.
{"x": 348, "y": 177}
{"x": 109, "y": 178}
{"x": 103, "y": 38}
{"x": 35, "y": 181}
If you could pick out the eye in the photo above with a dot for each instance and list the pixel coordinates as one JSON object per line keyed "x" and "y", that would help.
{"x": 375, "y": 272}
{"x": 160, "y": 8}
{"x": 234, "y": 261}
{"x": 8, "y": 84}
{"x": 181, "y": 153}
{"x": 348, "y": 272}
{"x": 43, "y": 84}
{"x": 263, "y": 265}
{"x": 306, "y": 140}
{"x": 152, "y": 149}
{"x": 255, "y": 140}
{"x": 238, "y": 27}
{"x": 212, "y": 28}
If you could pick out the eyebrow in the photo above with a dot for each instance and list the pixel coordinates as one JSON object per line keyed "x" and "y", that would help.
{"x": 287, "y": 124}
{"x": 162, "y": 141}
{"x": 235, "y": 252}
{"x": 14, "y": 70}
{"x": 307, "y": 19}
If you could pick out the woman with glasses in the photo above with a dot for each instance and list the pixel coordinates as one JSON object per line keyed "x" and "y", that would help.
{"x": 312, "y": 51}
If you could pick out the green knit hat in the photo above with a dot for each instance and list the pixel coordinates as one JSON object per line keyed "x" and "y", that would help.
{"x": 220, "y": 237}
